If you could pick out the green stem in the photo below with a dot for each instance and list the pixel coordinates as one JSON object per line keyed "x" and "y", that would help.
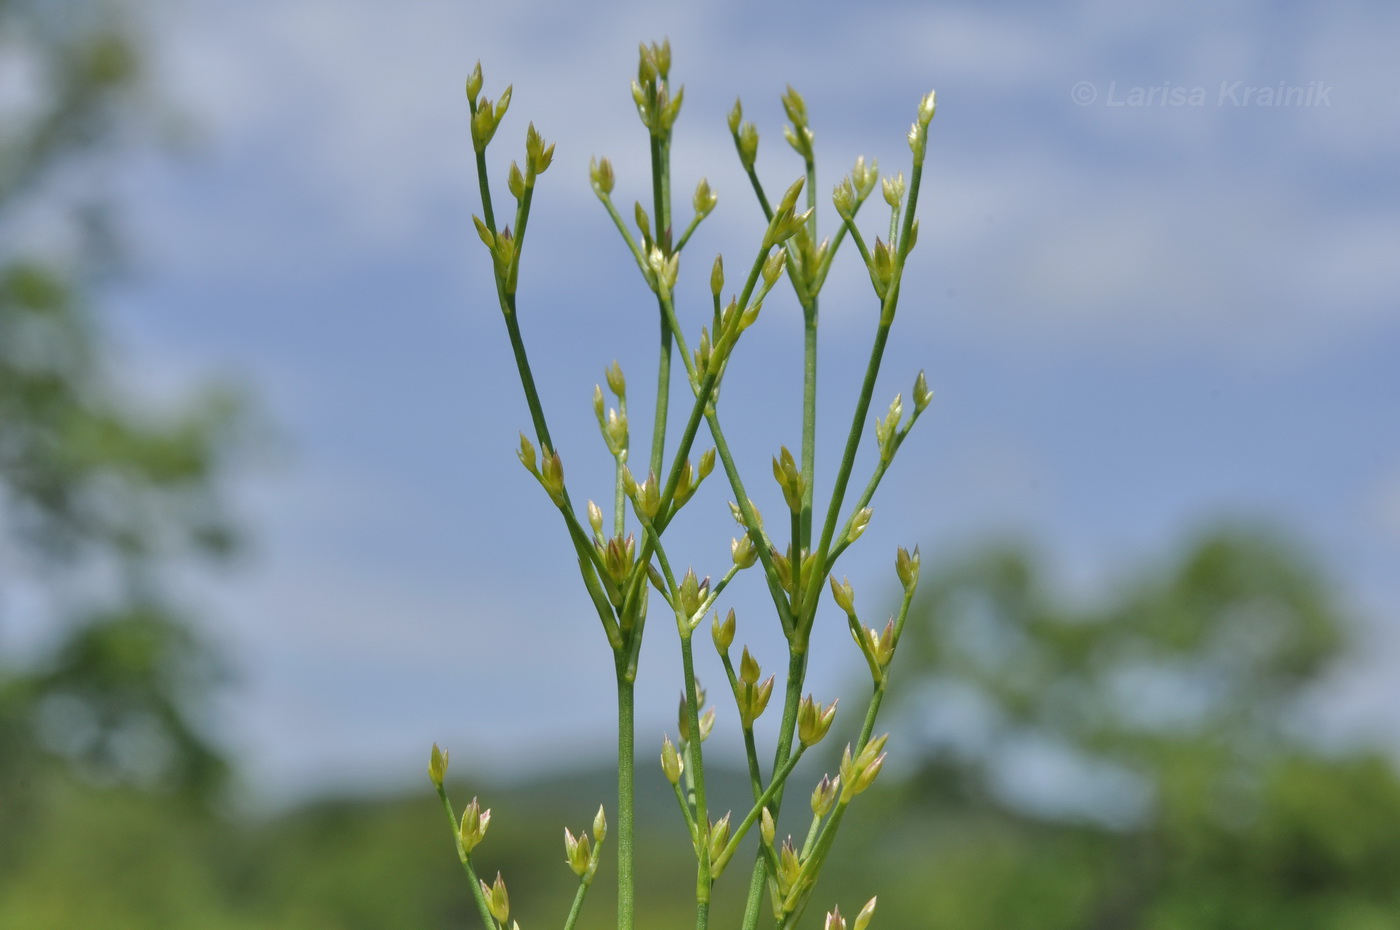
{"x": 577, "y": 906}
{"x": 626, "y": 765}
{"x": 702, "y": 816}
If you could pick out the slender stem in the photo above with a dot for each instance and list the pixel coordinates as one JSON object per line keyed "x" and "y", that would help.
{"x": 702, "y": 816}
{"x": 626, "y": 764}
{"x": 809, "y": 416}
{"x": 577, "y": 906}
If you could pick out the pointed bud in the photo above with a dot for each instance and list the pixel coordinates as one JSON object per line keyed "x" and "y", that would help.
{"x": 437, "y": 766}
{"x": 834, "y": 920}
{"x": 748, "y": 145}
{"x": 907, "y": 567}
{"x": 671, "y": 763}
{"x": 600, "y": 826}
{"x": 723, "y": 633}
{"x": 813, "y": 720}
{"x": 595, "y": 517}
{"x": 824, "y": 795}
{"x": 736, "y": 116}
{"x": 497, "y": 901}
{"x": 789, "y": 200}
{"x": 527, "y": 456}
{"x": 719, "y": 836}
{"x": 844, "y": 595}
{"x": 515, "y": 180}
{"x": 864, "y": 176}
{"x": 600, "y": 173}
{"x": 921, "y": 394}
{"x": 863, "y": 918}
{"x": 767, "y": 829}
{"x": 894, "y": 190}
{"x": 474, "y": 83}
{"x": 859, "y": 522}
{"x": 743, "y": 553}
{"x": 473, "y": 826}
{"x": 749, "y": 670}
{"x": 705, "y": 199}
{"x": 773, "y": 267}
{"x": 552, "y": 476}
{"x": 843, "y": 196}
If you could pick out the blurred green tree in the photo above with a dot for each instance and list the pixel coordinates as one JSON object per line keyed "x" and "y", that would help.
{"x": 103, "y": 498}
{"x": 1141, "y": 762}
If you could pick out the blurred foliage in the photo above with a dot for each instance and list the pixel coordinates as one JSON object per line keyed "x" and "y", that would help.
{"x": 104, "y": 499}
{"x": 1194, "y": 804}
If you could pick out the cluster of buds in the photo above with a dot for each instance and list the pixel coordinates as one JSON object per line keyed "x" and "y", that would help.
{"x": 497, "y": 900}
{"x": 791, "y": 581}
{"x": 813, "y": 721}
{"x": 887, "y": 432}
{"x": 618, "y": 555}
{"x": 855, "y": 188}
{"x": 706, "y": 719}
{"x": 612, "y": 423}
{"x": 580, "y": 854}
{"x": 549, "y": 471}
{"x": 834, "y": 920}
{"x": 751, "y": 695}
{"x": 799, "y": 133}
{"x": 486, "y": 116}
{"x": 657, "y": 109}
{"x": 786, "y": 220}
{"x": 745, "y": 136}
{"x": 858, "y": 773}
{"x": 790, "y": 479}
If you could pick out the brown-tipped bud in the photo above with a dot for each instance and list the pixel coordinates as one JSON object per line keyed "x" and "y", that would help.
{"x": 773, "y": 267}
{"x": 473, "y": 826}
{"x": 767, "y": 829}
{"x": 600, "y": 826}
{"x": 906, "y": 565}
{"x": 844, "y": 595}
{"x": 497, "y": 901}
{"x": 814, "y": 720}
{"x": 474, "y": 82}
{"x": 600, "y": 173}
{"x": 864, "y": 175}
{"x": 859, "y": 522}
{"x": 789, "y": 478}
{"x": 723, "y": 633}
{"x": 894, "y": 189}
{"x": 671, "y": 763}
{"x": 742, "y": 551}
{"x": 705, "y": 199}
{"x": 863, "y": 918}
{"x": 748, "y": 145}
{"x": 887, "y": 429}
{"x": 922, "y": 395}
{"x": 736, "y": 115}
{"x": 789, "y": 867}
{"x": 834, "y": 920}
{"x": 843, "y": 197}
{"x": 824, "y": 795}
{"x": 552, "y": 476}
{"x": 749, "y": 669}
{"x": 527, "y": 456}
{"x": 437, "y": 766}
{"x": 789, "y": 199}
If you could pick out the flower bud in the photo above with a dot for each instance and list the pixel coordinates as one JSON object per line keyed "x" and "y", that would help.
{"x": 843, "y": 196}
{"x": 864, "y": 176}
{"x": 497, "y": 901}
{"x": 767, "y": 829}
{"x": 743, "y": 553}
{"x": 705, "y": 199}
{"x": 921, "y": 394}
{"x": 595, "y": 517}
{"x": 527, "y": 456}
{"x": 748, "y": 145}
{"x": 859, "y": 522}
{"x": 894, "y": 189}
{"x": 834, "y": 920}
{"x": 813, "y": 720}
{"x": 671, "y": 764}
{"x": 844, "y": 595}
{"x": 600, "y": 826}
{"x": 600, "y": 173}
{"x": 824, "y": 795}
{"x": 723, "y": 633}
{"x": 473, "y": 826}
{"x": 907, "y": 567}
{"x": 437, "y": 766}
{"x": 474, "y": 83}
{"x": 863, "y": 918}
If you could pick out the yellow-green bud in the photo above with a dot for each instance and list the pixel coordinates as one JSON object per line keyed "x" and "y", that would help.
{"x": 552, "y": 476}
{"x": 749, "y": 669}
{"x": 671, "y": 763}
{"x": 670, "y": 109}
{"x": 482, "y": 230}
{"x": 719, "y": 836}
{"x": 527, "y": 456}
{"x": 497, "y": 901}
{"x": 801, "y": 139}
{"x": 906, "y": 565}
{"x": 859, "y": 772}
{"x": 922, "y": 395}
{"x": 578, "y": 852}
{"x": 767, "y": 829}
{"x": 782, "y": 565}
{"x": 834, "y": 920}
{"x": 844, "y": 594}
{"x": 742, "y": 551}
{"x": 814, "y": 720}
{"x": 773, "y": 267}
{"x": 661, "y": 54}
{"x": 717, "y": 276}
{"x": 474, "y": 81}
{"x": 864, "y": 176}
{"x": 473, "y": 826}
{"x": 859, "y": 522}
{"x": 737, "y": 512}
{"x": 863, "y": 918}
{"x": 843, "y": 196}
{"x": 887, "y": 429}
{"x": 595, "y": 517}
{"x": 600, "y": 826}
{"x": 882, "y": 262}
{"x": 538, "y": 155}
{"x": 600, "y": 173}
{"x": 639, "y": 214}
{"x": 705, "y": 199}
{"x": 824, "y": 795}
{"x": 503, "y": 104}
{"x": 437, "y": 766}
{"x": 748, "y": 145}
{"x": 723, "y": 633}
{"x": 894, "y": 189}
{"x": 795, "y": 106}
{"x": 736, "y": 115}
{"x": 789, "y": 198}
{"x": 927, "y": 106}
{"x": 789, "y": 478}
{"x": 616, "y": 382}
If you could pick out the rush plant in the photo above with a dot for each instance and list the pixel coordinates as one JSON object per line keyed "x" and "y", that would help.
{"x": 621, "y": 547}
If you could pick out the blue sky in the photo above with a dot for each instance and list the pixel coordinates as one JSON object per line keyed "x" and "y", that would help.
{"x": 1136, "y": 319}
